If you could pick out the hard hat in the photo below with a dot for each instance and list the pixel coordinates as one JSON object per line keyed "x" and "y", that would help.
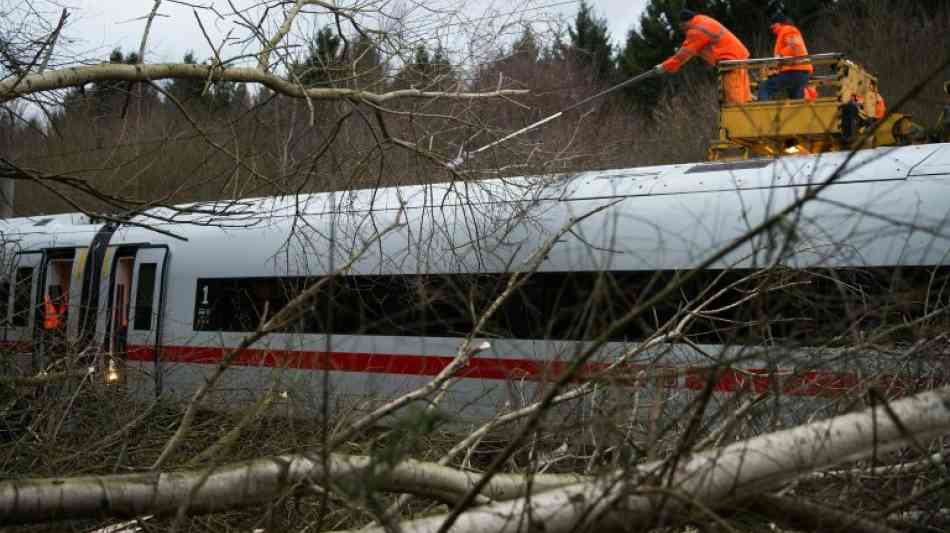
{"x": 779, "y": 17}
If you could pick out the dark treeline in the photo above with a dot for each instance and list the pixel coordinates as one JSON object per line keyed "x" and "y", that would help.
{"x": 191, "y": 140}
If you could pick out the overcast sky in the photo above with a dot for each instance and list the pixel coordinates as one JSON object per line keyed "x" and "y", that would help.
{"x": 97, "y": 26}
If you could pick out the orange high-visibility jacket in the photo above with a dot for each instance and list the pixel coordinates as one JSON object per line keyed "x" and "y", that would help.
{"x": 708, "y": 38}
{"x": 52, "y": 317}
{"x": 790, "y": 43}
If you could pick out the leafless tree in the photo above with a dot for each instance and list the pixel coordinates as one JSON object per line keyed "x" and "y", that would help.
{"x": 602, "y": 443}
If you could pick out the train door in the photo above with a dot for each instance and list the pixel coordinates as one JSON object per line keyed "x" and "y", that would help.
{"x": 115, "y": 286}
{"x": 54, "y": 302}
{"x": 75, "y": 298}
{"x": 104, "y": 299}
{"x": 119, "y": 307}
{"x": 22, "y": 310}
{"x": 130, "y": 322}
{"x": 147, "y": 302}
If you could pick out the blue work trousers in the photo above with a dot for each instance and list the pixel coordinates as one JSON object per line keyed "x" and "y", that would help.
{"x": 788, "y": 84}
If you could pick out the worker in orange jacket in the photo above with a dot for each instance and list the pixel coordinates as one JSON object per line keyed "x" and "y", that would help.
{"x": 792, "y": 77}
{"x": 707, "y": 38}
{"x": 53, "y": 314}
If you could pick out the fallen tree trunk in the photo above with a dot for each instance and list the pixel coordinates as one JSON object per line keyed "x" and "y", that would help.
{"x": 807, "y": 516}
{"x": 242, "y": 484}
{"x": 561, "y": 502}
{"x": 712, "y": 479}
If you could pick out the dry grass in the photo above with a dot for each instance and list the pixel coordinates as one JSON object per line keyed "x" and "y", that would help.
{"x": 105, "y": 432}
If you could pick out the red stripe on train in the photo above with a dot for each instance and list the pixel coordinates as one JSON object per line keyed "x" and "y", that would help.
{"x": 367, "y": 362}
{"x": 805, "y": 383}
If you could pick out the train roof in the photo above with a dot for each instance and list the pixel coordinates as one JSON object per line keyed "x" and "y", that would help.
{"x": 657, "y": 218}
{"x": 37, "y": 223}
{"x": 665, "y": 216}
{"x": 690, "y": 178}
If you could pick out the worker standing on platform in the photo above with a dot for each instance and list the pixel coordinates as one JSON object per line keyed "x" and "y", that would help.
{"x": 792, "y": 77}
{"x": 706, "y": 37}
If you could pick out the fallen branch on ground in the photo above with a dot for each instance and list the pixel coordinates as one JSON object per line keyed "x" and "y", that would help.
{"x": 713, "y": 479}
{"x": 242, "y": 484}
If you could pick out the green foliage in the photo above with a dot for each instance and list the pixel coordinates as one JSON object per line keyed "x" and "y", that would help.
{"x": 440, "y": 68}
{"x": 364, "y": 58}
{"x": 590, "y": 42}
{"x": 220, "y": 96}
{"x": 656, "y": 40}
{"x": 409, "y": 433}
{"x": 526, "y": 47}
{"x": 421, "y": 59}
{"x": 108, "y": 96}
{"x": 918, "y": 9}
{"x": 323, "y": 62}
{"x": 188, "y": 92}
{"x": 430, "y": 71}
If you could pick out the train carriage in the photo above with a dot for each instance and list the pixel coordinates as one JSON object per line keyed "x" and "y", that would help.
{"x": 161, "y": 308}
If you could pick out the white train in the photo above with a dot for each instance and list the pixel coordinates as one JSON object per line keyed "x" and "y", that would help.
{"x": 164, "y": 306}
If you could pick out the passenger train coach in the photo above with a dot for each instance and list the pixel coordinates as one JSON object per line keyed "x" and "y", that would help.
{"x": 162, "y": 305}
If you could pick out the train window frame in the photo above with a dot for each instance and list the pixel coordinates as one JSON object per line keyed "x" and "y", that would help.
{"x": 145, "y": 296}
{"x": 810, "y": 304}
{"x": 22, "y": 297}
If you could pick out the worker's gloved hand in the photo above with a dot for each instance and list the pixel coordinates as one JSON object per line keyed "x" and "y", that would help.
{"x": 659, "y": 70}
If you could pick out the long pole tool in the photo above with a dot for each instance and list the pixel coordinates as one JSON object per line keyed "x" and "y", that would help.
{"x": 464, "y": 156}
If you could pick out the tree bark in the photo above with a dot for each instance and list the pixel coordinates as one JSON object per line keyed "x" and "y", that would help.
{"x": 75, "y": 76}
{"x": 717, "y": 478}
{"x": 241, "y": 484}
{"x": 622, "y": 500}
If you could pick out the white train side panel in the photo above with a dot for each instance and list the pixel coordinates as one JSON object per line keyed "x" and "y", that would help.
{"x": 887, "y": 208}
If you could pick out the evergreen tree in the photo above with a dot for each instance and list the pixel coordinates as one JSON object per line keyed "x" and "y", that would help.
{"x": 107, "y": 96}
{"x": 241, "y": 99}
{"x": 223, "y": 96}
{"x": 422, "y": 59}
{"x": 419, "y": 72}
{"x": 367, "y": 63}
{"x": 526, "y": 47}
{"x": 323, "y": 62}
{"x": 189, "y": 92}
{"x": 655, "y": 40}
{"x": 219, "y": 97}
{"x": 440, "y": 68}
{"x": 590, "y": 42}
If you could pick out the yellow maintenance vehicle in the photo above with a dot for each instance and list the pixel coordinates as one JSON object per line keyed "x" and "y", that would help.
{"x": 841, "y": 114}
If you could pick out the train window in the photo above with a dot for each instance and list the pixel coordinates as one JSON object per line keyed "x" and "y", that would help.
{"x": 238, "y": 304}
{"x": 144, "y": 296}
{"x": 741, "y": 306}
{"x": 21, "y": 297}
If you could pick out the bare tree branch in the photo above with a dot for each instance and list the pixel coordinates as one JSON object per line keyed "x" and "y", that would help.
{"x": 81, "y": 75}
{"x": 715, "y": 478}
{"x": 241, "y": 484}
{"x": 809, "y": 516}
{"x": 290, "y": 312}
